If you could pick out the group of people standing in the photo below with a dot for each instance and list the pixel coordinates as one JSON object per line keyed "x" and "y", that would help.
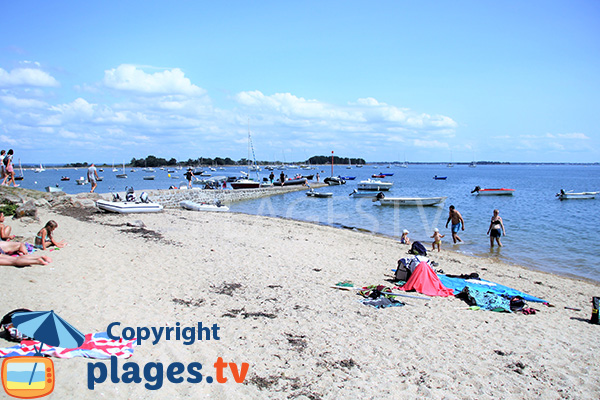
{"x": 7, "y": 169}
{"x": 496, "y": 229}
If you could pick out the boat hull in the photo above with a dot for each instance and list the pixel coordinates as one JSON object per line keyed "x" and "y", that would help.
{"x": 374, "y": 185}
{"x": 334, "y": 181}
{"x": 319, "y": 195}
{"x": 245, "y": 184}
{"x": 125, "y": 207}
{"x": 578, "y": 196}
{"x": 291, "y": 182}
{"x": 411, "y": 201}
{"x": 496, "y": 192}
{"x": 190, "y": 205}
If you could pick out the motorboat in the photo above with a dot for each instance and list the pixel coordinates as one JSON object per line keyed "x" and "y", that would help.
{"x": 148, "y": 178}
{"x": 440, "y": 178}
{"x": 570, "y": 195}
{"x": 374, "y": 184}
{"x": 65, "y": 178}
{"x": 410, "y": 201}
{"x": 312, "y": 193}
{"x": 348, "y": 178}
{"x": 53, "y": 189}
{"x": 378, "y": 176}
{"x": 493, "y": 192}
{"x": 81, "y": 181}
{"x": 388, "y": 174}
{"x": 363, "y": 194}
{"x": 334, "y": 180}
{"x": 126, "y": 207}
{"x": 245, "y": 184}
{"x": 192, "y": 205}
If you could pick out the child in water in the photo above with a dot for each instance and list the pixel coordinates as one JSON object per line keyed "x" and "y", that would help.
{"x": 404, "y": 238}
{"x": 437, "y": 239}
{"x": 44, "y": 237}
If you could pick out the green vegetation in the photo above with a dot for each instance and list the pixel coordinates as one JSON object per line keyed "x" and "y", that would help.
{"x": 8, "y": 208}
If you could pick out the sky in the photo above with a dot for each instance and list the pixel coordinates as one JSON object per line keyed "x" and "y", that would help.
{"x": 422, "y": 81}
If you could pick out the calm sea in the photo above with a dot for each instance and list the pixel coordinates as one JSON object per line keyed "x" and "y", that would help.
{"x": 542, "y": 232}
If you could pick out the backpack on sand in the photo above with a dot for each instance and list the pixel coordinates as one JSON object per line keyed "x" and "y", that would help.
{"x": 418, "y": 249}
{"x": 6, "y": 326}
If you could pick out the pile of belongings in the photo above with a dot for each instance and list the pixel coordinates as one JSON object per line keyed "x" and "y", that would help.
{"x": 379, "y": 296}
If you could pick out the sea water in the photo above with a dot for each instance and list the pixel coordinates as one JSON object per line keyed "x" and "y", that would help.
{"x": 542, "y": 232}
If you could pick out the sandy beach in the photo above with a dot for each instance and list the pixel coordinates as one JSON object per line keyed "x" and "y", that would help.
{"x": 267, "y": 283}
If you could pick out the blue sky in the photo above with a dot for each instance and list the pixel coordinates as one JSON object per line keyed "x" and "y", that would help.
{"x": 385, "y": 80}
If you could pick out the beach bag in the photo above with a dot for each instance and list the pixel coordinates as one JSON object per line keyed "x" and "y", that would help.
{"x": 7, "y": 328}
{"x": 418, "y": 249}
{"x": 595, "y": 306}
{"x": 405, "y": 268}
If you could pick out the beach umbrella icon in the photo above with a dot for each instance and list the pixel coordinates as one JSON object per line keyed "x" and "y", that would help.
{"x": 47, "y": 327}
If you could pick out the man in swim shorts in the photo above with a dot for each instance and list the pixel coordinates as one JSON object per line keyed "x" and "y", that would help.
{"x": 458, "y": 223}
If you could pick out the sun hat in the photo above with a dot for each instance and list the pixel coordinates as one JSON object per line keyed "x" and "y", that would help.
{"x": 405, "y": 231}
{"x": 436, "y": 230}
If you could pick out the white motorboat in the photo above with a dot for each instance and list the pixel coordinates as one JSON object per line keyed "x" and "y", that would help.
{"x": 53, "y": 189}
{"x": 493, "y": 192}
{"x": 374, "y": 184}
{"x": 312, "y": 193}
{"x": 125, "y": 207}
{"x": 216, "y": 206}
{"x": 410, "y": 201}
{"x": 81, "y": 181}
{"x": 570, "y": 195}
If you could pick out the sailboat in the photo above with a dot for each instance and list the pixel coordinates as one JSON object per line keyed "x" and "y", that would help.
{"x": 473, "y": 163}
{"x": 40, "y": 169}
{"x": 123, "y": 175}
{"x": 450, "y": 165}
{"x": 19, "y": 178}
{"x": 247, "y": 183}
{"x": 113, "y": 168}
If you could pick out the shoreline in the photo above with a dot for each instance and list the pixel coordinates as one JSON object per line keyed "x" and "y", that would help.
{"x": 266, "y": 282}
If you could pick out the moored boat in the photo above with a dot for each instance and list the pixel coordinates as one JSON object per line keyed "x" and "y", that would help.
{"x": 570, "y": 195}
{"x": 291, "y": 182}
{"x": 374, "y": 184}
{"x": 65, "y": 178}
{"x": 312, "y": 193}
{"x": 378, "y": 176}
{"x": 363, "y": 194}
{"x": 334, "y": 181}
{"x": 410, "y": 201}
{"x": 53, "y": 189}
{"x": 493, "y": 192}
{"x": 440, "y": 178}
{"x": 245, "y": 184}
{"x": 148, "y": 178}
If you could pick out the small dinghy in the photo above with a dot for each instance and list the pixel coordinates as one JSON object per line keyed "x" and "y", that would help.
{"x": 334, "y": 180}
{"x": 191, "y": 205}
{"x": 131, "y": 205}
{"x": 126, "y": 207}
{"x": 363, "y": 194}
{"x": 440, "y": 178}
{"x": 493, "y": 192}
{"x": 312, "y": 193}
{"x": 570, "y": 195}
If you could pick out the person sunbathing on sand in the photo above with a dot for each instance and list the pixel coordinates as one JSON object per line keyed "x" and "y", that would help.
{"x": 16, "y": 248}
{"x": 44, "y": 237}
{"x": 23, "y": 261}
{"x": 5, "y": 229}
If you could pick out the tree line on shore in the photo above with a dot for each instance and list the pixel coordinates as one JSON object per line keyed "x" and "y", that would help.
{"x": 153, "y": 161}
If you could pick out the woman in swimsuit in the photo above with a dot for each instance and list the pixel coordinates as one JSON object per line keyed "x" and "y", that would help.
{"x": 496, "y": 229}
{"x": 44, "y": 237}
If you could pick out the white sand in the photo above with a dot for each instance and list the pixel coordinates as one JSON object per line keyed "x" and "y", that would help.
{"x": 301, "y": 338}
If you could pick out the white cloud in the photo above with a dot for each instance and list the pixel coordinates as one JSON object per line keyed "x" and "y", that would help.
{"x": 433, "y": 144}
{"x": 15, "y": 102}
{"x": 8, "y": 140}
{"x": 572, "y": 136}
{"x": 130, "y": 78}
{"x": 26, "y": 77}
